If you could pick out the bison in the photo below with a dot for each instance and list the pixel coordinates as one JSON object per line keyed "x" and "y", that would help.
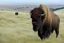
{"x": 45, "y": 21}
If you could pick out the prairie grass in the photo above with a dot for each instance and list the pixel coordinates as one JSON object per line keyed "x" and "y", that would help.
{"x": 18, "y": 29}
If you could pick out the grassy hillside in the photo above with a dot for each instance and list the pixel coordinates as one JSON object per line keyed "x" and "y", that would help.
{"x": 18, "y": 29}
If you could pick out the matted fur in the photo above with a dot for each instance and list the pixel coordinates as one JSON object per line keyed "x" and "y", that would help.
{"x": 52, "y": 19}
{"x": 48, "y": 13}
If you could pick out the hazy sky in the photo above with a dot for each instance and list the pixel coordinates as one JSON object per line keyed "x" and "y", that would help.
{"x": 56, "y": 2}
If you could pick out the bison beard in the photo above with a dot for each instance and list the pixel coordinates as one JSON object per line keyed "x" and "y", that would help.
{"x": 45, "y": 32}
{"x": 50, "y": 23}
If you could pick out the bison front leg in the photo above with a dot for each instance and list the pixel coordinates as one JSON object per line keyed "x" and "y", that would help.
{"x": 40, "y": 34}
{"x": 47, "y": 29}
{"x": 47, "y": 32}
{"x": 57, "y": 28}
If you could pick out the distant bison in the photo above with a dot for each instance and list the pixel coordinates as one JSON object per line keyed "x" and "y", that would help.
{"x": 16, "y": 13}
{"x": 44, "y": 21}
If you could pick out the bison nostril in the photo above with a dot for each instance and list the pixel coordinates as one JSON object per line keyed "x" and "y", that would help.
{"x": 34, "y": 22}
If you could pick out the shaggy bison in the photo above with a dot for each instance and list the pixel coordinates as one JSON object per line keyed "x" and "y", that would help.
{"x": 45, "y": 21}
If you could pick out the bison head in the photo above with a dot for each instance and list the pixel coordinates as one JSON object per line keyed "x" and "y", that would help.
{"x": 37, "y": 15}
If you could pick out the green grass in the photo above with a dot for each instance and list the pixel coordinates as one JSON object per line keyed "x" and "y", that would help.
{"x": 18, "y": 29}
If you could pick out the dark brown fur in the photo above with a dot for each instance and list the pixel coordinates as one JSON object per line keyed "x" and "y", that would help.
{"x": 46, "y": 24}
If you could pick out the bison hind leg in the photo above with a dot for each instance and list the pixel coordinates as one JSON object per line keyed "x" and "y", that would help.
{"x": 57, "y": 31}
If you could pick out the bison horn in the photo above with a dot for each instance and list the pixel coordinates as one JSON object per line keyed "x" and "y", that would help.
{"x": 42, "y": 14}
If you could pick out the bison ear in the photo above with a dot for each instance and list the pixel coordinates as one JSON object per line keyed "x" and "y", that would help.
{"x": 31, "y": 12}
